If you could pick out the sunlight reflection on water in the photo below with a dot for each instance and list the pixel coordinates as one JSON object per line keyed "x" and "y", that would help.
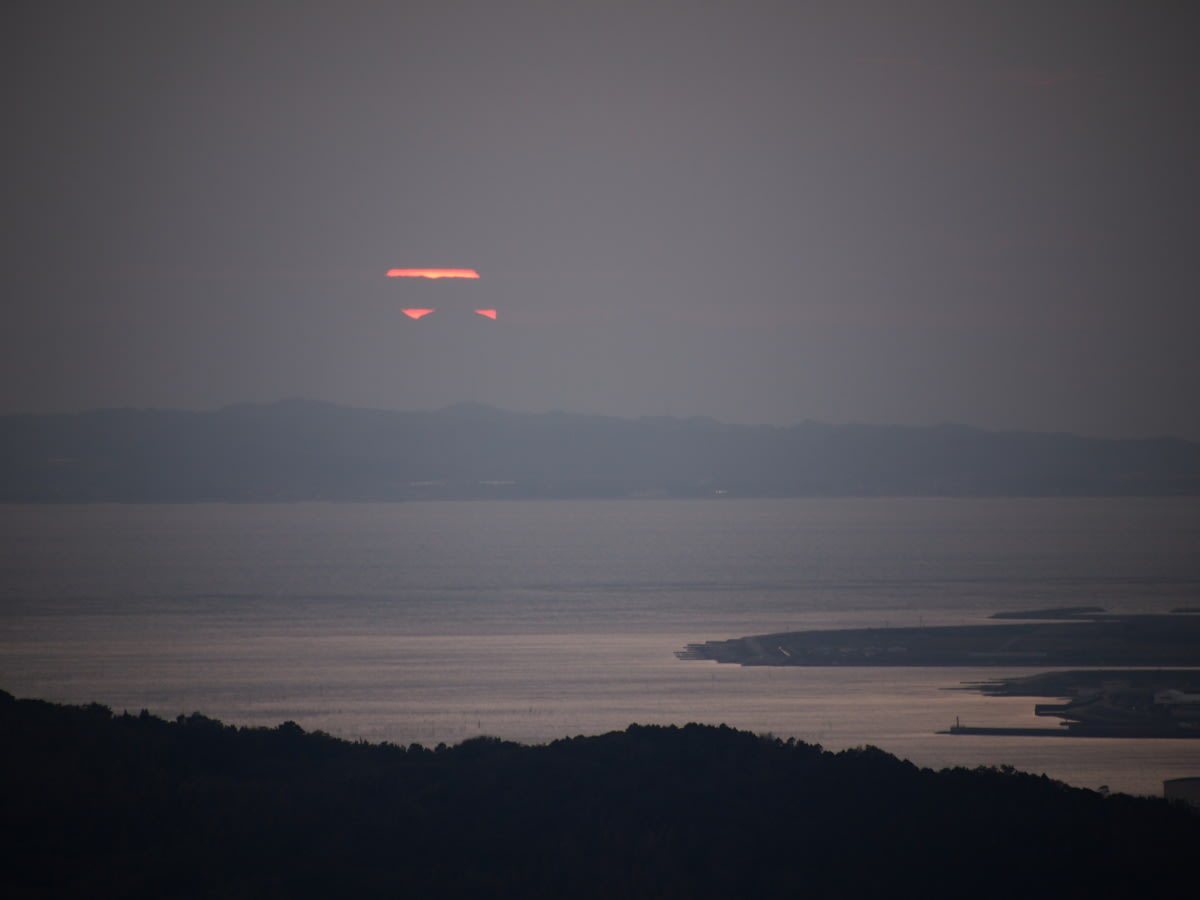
{"x": 435, "y": 622}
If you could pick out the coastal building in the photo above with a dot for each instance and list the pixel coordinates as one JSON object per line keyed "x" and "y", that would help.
{"x": 1185, "y": 789}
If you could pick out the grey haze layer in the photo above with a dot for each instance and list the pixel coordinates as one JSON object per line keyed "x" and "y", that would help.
{"x": 864, "y": 211}
{"x": 306, "y": 450}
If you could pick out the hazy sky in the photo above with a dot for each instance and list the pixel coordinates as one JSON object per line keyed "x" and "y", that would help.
{"x": 766, "y": 212}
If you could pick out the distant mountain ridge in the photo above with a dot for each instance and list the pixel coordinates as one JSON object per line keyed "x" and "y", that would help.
{"x": 310, "y": 450}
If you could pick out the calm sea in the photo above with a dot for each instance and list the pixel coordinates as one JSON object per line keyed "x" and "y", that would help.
{"x": 433, "y": 622}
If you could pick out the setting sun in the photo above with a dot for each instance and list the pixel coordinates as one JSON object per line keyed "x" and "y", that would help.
{"x": 432, "y": 273}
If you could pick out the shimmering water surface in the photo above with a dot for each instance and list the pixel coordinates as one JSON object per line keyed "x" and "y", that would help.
{"x": 434, "y": 622}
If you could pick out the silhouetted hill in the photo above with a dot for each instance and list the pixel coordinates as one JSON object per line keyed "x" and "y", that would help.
{"x": 299, "y": 449}
{"x": 97, "y": 805}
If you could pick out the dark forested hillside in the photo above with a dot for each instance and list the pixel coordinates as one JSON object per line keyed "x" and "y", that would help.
{"x": 101, "y": 805}
{"x": 303, "y": 450}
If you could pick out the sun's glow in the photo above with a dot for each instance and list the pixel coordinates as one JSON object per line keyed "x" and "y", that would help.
{"x": 416, "y": 313}
{"x": 488, "y": 313}
{"x": 432, "y": 273}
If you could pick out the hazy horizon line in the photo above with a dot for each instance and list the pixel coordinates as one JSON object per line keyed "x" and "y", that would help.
{"x": 856, "y": 423}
